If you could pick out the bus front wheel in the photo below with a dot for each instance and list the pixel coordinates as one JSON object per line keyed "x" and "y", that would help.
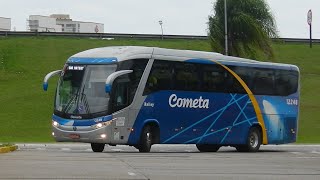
{"x": 254, "y": 141}
{"x": 146, "y": 139}
{"x": 97, "y": 147}
{"x": 208, "y": 147}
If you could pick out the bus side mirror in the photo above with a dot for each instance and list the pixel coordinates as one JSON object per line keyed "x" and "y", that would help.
{"x": 112, "y": 77}
{"x": 47, "y": 77}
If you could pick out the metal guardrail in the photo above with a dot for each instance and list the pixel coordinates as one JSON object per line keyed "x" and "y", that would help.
{"x": 297, "y": 40}
{"x": 133, "y": 36}
{"x": 99, "y": 35}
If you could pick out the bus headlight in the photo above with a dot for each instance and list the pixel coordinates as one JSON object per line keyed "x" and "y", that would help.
{"x": 107, "y": 123}
{"x": 100, "y": 125}
{"x": 55, "y": 123}
{"x": 103, "y": 136}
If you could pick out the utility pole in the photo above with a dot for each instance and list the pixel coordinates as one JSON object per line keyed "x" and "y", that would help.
{"x": 226, "y": 27}
{"x": 160, "y": 22}
{"x": 310, "y": 25}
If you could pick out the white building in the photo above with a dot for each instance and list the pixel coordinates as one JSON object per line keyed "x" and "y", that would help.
{"x": 43, "y": 24}
{"x": 62, "y": 23}
{"x": 5, "y": 24}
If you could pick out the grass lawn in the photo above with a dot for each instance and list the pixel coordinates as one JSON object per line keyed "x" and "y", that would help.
{"x": 25, "y": 111}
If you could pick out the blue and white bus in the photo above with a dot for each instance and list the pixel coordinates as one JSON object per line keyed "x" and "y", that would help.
{"x": 140, "y": 96}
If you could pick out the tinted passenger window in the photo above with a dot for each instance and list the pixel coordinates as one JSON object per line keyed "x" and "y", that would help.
{"x": 263, "y": 82}
{"x": 182, "y": 76}
{"x": 273, "y": 82}
{"x": 245, "y": 73}
{"x": 286, "y": 82}
{"x": 160, "y": 77}
{"x": 217, "y": 79}
{"x": 186, "y": 77}
{"x": 213, "y": 78}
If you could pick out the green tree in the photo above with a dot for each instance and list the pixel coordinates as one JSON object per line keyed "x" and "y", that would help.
{"x": 250, "y": 27}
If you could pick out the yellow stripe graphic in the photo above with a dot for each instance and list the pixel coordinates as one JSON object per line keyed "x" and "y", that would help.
{"x": 253, "y": 100}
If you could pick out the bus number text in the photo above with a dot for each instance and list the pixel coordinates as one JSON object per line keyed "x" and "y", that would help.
{"x": 292, "y": 102}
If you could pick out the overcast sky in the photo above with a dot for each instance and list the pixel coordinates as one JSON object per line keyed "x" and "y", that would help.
{"x": 141, "y": 16}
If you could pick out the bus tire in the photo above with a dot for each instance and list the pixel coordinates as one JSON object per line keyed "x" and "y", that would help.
{"x": 208, "y": 147}
{"x": 253, "y": 143}
{"x": 146, "y": 139}
{"x": 97, "y": 147}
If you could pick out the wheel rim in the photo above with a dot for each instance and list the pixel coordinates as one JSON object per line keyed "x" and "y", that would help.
{"x": 254, "y": 140}
{"x": 148, "y": 137}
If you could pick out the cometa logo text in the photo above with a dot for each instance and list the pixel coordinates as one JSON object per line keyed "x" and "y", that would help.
{"x": 175, "y": 101}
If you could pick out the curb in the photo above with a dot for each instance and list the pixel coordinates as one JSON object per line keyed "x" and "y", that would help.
{"x": 8, "y": 149}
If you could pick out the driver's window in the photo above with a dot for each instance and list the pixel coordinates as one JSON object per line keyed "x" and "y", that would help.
{"x": 120, "y": 93}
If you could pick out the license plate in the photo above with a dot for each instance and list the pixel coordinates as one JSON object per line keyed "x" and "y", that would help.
{"x": 74, "y": 136}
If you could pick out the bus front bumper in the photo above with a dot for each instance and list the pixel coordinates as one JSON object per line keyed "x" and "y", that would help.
{"x": 81, "y": 134}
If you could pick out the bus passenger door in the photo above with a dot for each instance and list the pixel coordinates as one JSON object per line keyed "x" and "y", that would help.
{"x": 119, "y": 103}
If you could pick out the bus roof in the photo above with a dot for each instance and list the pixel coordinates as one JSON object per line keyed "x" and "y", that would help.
{"x": 121, "y": 53}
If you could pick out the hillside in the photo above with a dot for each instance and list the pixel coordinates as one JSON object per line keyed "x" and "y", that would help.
{"x": 25, "y": 110}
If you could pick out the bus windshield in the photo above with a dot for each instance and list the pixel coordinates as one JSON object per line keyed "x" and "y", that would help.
{"x": 81, "y": 90}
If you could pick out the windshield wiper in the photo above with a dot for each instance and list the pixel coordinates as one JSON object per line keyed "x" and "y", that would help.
{"x": 83, "y": 100}
{"x": 73, "y": 98}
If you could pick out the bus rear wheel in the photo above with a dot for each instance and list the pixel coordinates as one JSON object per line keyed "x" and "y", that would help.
{"x": 208, "y": 147}
{"x": 254, "y": 141}
{"x": 146, "y": 139}
{"x": 97, "y": 147}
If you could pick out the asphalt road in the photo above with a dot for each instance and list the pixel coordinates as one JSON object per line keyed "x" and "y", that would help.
{"x": 76, "y": 161}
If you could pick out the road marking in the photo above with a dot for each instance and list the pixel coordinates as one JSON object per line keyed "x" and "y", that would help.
{"x": 315, "y": 152}
{"x": 308, "y": 157}
{"x": 65, "y": 149}
{"x": 297, "y": 153}
{"x": 131, "y": 174}
{"x": 41, "y": 149}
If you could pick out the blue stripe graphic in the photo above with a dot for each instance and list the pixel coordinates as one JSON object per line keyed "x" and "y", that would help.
{"x": 81, "y": 60}
{"x": 204, "y": 119}
{"x": 216, "y": 119}
{"x": 222, "y": 129}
